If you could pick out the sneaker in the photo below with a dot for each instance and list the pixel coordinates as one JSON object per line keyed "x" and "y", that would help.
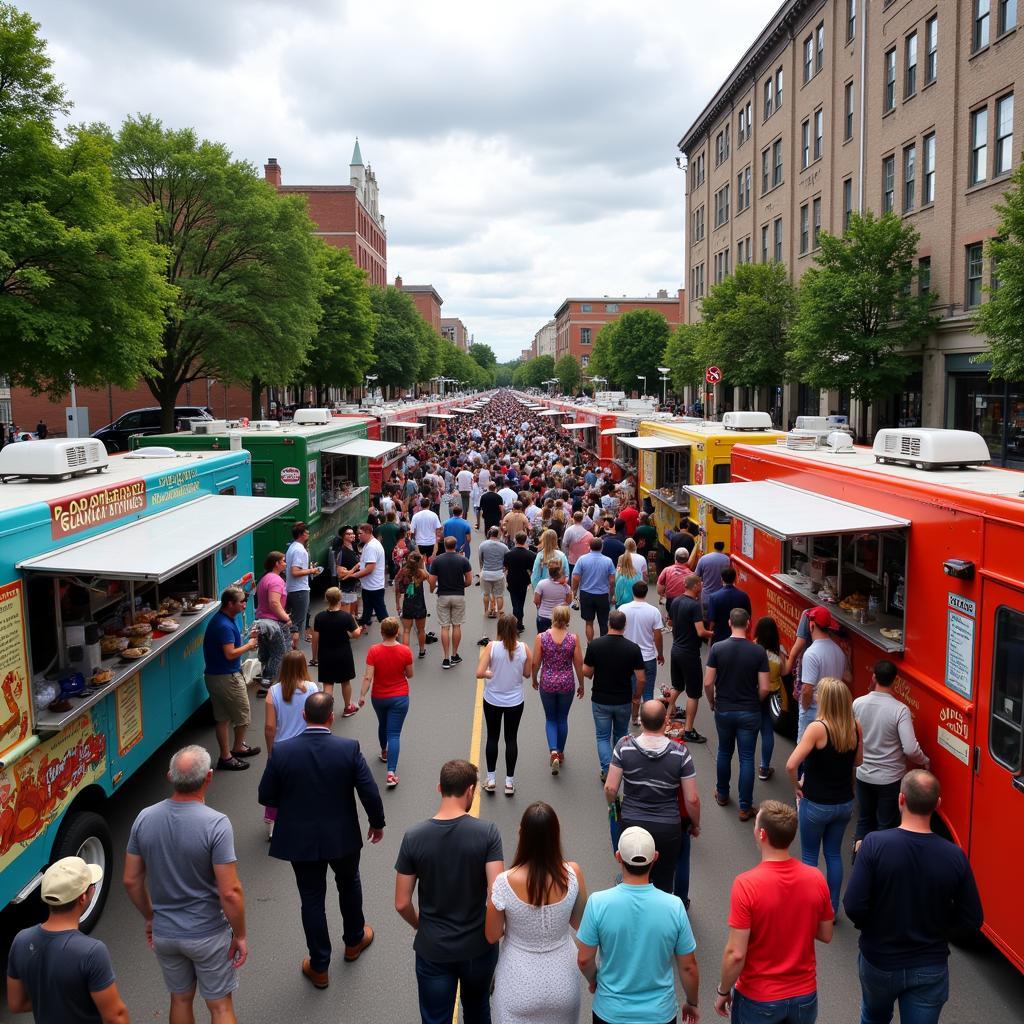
{"x": 456, "y": 659}
{"x": 556, "y": 764}
{"x": 490, "y": 786}
{"x": 383, "y": 756}
{"x": 510, "y": 789}
{"x": 423, "y": 653}
{"x": 392, "y": 780}
{"x": 231, "y": 764}
{"x": 575, "y": 606}
{"x": 764, "y": 774}
{"x": 446, "y": 664}
{"x": 350, "y": 710}
{"x": 692, "y": 736}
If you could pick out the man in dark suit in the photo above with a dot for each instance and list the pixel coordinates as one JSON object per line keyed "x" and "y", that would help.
{"x": 313, "y": 780}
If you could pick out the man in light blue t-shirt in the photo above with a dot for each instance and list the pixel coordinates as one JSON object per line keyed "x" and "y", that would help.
{"x": 593, "y": 584}
{"x": 639, "y": 931}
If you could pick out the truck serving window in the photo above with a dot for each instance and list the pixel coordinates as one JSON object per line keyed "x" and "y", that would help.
{"x": 229, "y": 552}
{"x": 720, "y": 474}
{"x": 1006, "y": 725}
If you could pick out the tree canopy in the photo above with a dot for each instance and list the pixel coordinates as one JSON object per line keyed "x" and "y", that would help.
{"x": 683, "y": 356}
{"x": 407, "y": 349}
{"x": 533, "y": 372}
{"x": 569, "y": 373}
{"x": 483, "y": 355}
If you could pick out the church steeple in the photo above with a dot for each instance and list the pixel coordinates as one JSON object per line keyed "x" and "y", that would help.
{"x": 357, "y": 157}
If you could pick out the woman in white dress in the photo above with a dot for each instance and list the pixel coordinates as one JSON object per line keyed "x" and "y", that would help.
{"x": 532, "y": 906}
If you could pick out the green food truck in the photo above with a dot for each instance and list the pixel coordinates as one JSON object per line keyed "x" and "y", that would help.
{"x": 319, "y": 459}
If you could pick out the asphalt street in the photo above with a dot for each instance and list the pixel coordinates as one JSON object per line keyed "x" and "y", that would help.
{"x": 381, "y": 986}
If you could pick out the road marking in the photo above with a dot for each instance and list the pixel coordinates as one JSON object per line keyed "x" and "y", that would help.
{"x": 474, "y": 751}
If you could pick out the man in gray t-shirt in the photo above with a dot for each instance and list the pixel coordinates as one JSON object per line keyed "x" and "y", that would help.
{"x": 180, "y": 872}
{"x": 824, "y": 659}
{"x": 492, "y": 572}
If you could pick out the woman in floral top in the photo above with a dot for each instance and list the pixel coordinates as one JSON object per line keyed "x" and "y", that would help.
{"x": 557, "y": 659}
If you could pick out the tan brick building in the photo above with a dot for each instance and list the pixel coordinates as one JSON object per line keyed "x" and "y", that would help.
{"x": 849, "y": 105}
{"x": 454, "y": 330}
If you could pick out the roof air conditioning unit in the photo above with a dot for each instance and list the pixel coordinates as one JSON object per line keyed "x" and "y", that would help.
{"x": 53, "y": 459}
{"x": 812, "y": 423}
{"x": 154, "y": 452}
{"x": 746, "y": 421}
{"x": 312, "y": 417}
{"x": 264, "y": 425}
{"x": 931, "y": 448}
{"x": 839, "y": 442}
{"x": 209, "y": 426}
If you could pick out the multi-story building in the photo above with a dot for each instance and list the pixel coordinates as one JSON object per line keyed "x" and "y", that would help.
{"x": 347, "y": 216}
{"x": 844, "y": 105}
{"x": 578, "y": 320}
{"x": 428, "y": 302}
{"x": 544, "y": 340}
{"x": 455, "y": 331}
{"x": 526, "y": 355}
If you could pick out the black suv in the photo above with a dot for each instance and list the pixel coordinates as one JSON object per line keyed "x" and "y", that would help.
{"x": 145, "y": 421}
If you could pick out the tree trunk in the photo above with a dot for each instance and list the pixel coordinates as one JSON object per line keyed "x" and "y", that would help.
{"x": 256, "y": 398}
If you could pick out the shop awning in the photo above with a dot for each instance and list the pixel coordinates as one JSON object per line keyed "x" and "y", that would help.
{"x": 464, "y": 412}
{"x": 786, "y": 512}
{"x": 650, "y": 443}
{"x": 578, "y": 426}
{"x": 616, "y": 431}
{"x": 551, "y": 412}
{"x": 407, "y": 424}
{"x": 440, "y": 416}
{"x": 159, "y": 546}
{"x": 363, "y": 447}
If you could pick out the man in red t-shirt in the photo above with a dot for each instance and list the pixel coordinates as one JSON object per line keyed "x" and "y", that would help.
{"x": 672, "y": 581}
{"x": 776, "y": 912}
{"x": 630, "y": 515}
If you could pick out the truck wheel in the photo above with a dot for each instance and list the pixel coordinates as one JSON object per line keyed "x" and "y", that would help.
{"x": 784, "y": 718}
{"x": 87, "y": 835}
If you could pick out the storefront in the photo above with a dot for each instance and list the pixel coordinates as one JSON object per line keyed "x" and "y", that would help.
{"x": 992, "y": 408}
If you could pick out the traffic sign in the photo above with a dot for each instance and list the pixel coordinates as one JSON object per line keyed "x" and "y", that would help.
{"x": 713, "y": 375}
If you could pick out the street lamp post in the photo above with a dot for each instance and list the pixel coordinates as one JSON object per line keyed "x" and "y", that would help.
{"x": 370, "y": 378}
{"x": 640, "y": 376}
{"x": 664, "y": 371}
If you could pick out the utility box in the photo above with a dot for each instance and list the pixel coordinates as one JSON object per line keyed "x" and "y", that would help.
{"x": 76, "y": 418}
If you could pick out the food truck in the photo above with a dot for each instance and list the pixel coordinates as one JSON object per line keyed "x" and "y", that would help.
{"x": 669, "y": 455}
{"x": 111, "y": 569}
{"x": 914, "y": 546}
{"x": 319, "y": 460}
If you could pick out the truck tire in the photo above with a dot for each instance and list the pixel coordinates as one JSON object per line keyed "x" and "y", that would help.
{"x": 784, "y": 718}
{"x": 86, "y": 834}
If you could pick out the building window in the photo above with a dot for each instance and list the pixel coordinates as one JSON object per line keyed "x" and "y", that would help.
{"x": 931, "y": 42}
{"x": 777, "y": 162}
{"x": 768, "y": 93}
{"x": 778, "y": 88}
{"x": 698, "y": 224}
{"x": 743, "y": 251}
{"x": 805, "y": 224}
{"x": 698, "y": 172}
{"x": 585, "y": 335}
{"x": 819, "y": 49}
{"x": 981, "y": 14}
{"x": 993, "y": 275}
{"x": 1007, "y": 15}
{"x": 805, "y": 144}
{"x": 848, "y": 112}
{"x": 909, "y": 177}
{"x": 741, "y": 127}
{"x": 979, "y": 146}
{"x": 611, "y": 307}
{"x": 698, "y": 281}
{"x": 764, "y": 243}
{"x": 924, "y": 275}
{"x": 721, "y": 266}
{"x": 815, "y": 222}
{"x": 851, "y": 19}
{"x": 928, "y": 170}
{"x": 722, "y": 146}
{"x": 975, "y": 263}
{"x": 888, "y": 183}
{"x": 910, "y": 71}
{"x": 890, "y": 80}
{"x": 778, "y": 239}
{"x": 819, "y": 132}
{"x": 765, "y": 164}
{"x": 743, "y": 183}
{"x": 847, "y": 202}
{"x": 1004, "y": 135}
{"x": 808, "y": 58}
{"x": 585, "y": 307}
{"x": 722, "y": 206}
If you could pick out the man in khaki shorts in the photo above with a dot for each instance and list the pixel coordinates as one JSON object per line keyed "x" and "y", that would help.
{"x": 229, "y": 698}
{"x": 492, "y": 573}
{"x": 450, "y": 574}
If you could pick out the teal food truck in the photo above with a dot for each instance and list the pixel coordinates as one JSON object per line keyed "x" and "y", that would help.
{"x": 320, "y": 460}
{"x": 111, "y": 569}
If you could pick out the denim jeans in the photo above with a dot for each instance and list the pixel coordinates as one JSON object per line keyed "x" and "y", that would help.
{"x": 437, "y": 984}
{"x": 823, "y": 826}
{"x": 767, "y": 735}
{"x": 311, "y": 881}
{"x": 391, "y": 712}
{"x": 795, "y": 1010}
{"x": 543, "y": 623}
{"x": 373, "y": 604}
{"x": 556, "y": 717}
{"x": 878, "y": 807}
{"x": 611, "y": 723}
{"x": 804, "y": 718}
{"x": 650, "y": 678}
{"x": 920, "y": 991}
{"x": 682, "y": 883}
{"x": 737, "y": 729}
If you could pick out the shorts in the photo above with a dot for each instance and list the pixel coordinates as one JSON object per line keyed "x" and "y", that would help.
{"x": 687, "y": 675}
{"x": 589, "y": 604}
{"x": 297, "y": 607}
{"x": 229, "y": 698}
{"x": 426, "y": 550}
{"x": 451, "y": 610}
{"x": 349, "y": 596}
{"x": 202, "y": 963}
{"x": 493, "y": 588}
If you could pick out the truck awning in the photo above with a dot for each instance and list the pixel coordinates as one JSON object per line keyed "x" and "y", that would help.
{"x": 406, "y": 424}
{"x": 159, "y": 546}
{"x": 786, "y": 512}
{"x": 578, "y": 426}
{"x": 440, "y": 416}
{"x": 363, "y": 447}
{"x": 552, "y": 412}
{"x": 464, "y": 412}
{"x": 650, "y": 443}
{"x": 616, "y": 431}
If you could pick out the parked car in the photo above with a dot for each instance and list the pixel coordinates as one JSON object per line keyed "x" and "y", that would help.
{"x": 145, "y": 421}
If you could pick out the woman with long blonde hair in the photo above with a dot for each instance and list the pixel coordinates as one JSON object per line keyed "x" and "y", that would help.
{"x": 822, "y": 771}
{"x": 548, "y": 550}
{"x": 625, "y": 576}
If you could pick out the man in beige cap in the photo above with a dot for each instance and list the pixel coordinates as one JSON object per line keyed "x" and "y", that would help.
{"x": 55, "y": 972}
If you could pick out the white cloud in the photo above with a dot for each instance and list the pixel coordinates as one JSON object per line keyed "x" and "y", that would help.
{"x": 524, "y": 152}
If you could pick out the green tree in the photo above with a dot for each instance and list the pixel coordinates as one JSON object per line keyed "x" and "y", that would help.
{"x": 399, "y": 338}
{"x": 82, "y": 295}
{"x": 857, "y": 311}
{"x": 683, "y": 356}
{"x": 602, "y": 357}
{"x": 483, "y": 355}
{"x": 536, "y": 371}
{"x": 746, "y": 317}
{"x": 639, "y": 345}
{"x": 503, "y": 374}
{"x": 244, "y": 260}
{"x": 569, "y": 373}
{"x": 341, "y": 352}
{"x": 1001, "y": 318}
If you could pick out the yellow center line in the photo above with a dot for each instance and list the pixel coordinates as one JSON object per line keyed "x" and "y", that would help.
{"x": 474, "y": 758}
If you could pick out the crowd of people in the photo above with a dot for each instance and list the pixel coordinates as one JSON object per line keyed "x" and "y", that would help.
{"x": 518, "y": 944}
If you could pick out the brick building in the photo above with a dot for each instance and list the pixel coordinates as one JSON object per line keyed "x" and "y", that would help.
{"x": 577, "y": 321}
{"x": 544, "y": 340}
{"x": 346, "y": 216}
{"x": 843, "y": 106}
{"x": 428, "y": 302}
{"x": 454, "y": 330}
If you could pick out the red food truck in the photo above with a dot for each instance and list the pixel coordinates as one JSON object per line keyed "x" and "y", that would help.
{"x": 914, "y": 546}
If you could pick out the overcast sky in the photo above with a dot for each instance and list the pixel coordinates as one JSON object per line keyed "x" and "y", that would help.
{"x": 525, "y": 152}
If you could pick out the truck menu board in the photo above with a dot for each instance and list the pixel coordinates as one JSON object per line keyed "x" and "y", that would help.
{"x": 15, "y": 694}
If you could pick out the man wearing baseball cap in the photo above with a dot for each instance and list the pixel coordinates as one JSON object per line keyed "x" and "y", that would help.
{"x": 55, "y": 972}
{"x": 634, "y": 980}
{"x": 824, "y": 659}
